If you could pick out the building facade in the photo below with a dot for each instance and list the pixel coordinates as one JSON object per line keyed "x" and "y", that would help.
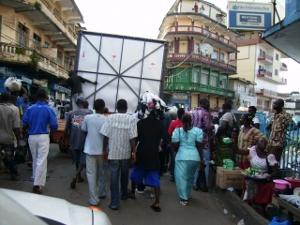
{"x": 260, "y": 63}
{"x": 244, "y": 93}
{"x": 198, "y": 59}
{"x": 292, "y": 104}
{"x": 38, "y": 43}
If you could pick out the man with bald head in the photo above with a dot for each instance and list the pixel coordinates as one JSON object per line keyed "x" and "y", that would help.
{"x": 280, "y": 121}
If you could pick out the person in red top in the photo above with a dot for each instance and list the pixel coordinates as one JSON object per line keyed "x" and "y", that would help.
{"x": 196, "y": 8}
{"x": 175, "y": 124}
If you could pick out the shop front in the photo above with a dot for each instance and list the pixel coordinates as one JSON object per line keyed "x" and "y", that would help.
{"x": 59, "y": 92}
{"x": 36, "y": 84}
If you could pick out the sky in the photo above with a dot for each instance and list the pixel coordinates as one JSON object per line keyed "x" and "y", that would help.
{"x": 142, "y": 18}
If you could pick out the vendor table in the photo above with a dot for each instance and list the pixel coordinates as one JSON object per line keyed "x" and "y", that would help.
{"x": 292, "y": 210}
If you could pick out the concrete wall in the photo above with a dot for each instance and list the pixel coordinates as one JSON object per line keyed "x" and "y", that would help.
{"x": 188, "y": 6}
{"x": 246, "y": 63}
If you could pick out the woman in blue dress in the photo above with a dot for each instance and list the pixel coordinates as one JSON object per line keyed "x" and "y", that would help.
{"x": 188, "y": 140}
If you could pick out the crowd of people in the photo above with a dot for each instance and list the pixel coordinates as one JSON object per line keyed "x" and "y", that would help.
{"x": 150, "y": 146}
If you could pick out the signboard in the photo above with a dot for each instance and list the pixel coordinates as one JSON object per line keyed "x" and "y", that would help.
{"x": 180, "y": 96}
{"x": 250, "y": 15}
{"x": 26, "y": 80}
{"x": 59, "y": 88}
{"x": 43, "y": 83}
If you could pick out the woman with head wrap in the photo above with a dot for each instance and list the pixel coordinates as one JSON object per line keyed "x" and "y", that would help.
{"x": 247, "y": 137}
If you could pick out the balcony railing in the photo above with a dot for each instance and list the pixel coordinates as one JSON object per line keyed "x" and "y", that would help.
{"x": 265, "y": 74}
{"x": 198, "y": 58}
{"x": 52, "y": 12}
{"x": 11, "y": 53}
{"x": 201, "y": 31}
{"x": 196, "y": 87}
{"x": 250, "y": 94}
{"x": 283, "y": 67}
{"x": 266, "y": 58}
{"x": 270, "y": 93}
{"x": 262, "y": 73}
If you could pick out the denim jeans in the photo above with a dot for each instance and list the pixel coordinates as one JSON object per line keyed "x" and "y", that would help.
{"x": 206, "y": 156}
{"x": 9, "y": 158}
{"x": 115, "y": 167}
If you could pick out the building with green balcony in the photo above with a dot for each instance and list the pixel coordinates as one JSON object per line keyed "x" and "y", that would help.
{"x": 200, "y": 53}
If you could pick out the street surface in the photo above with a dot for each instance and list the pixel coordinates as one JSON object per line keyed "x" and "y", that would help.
{"x": 203, "y": 208}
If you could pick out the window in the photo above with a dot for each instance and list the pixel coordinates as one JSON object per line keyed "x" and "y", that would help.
{"x": 219, "y": 17}
{"x": 46, "y": 45}
{"x": 240, "y": 37}
{"x": 59, "y": 57}
{"x": 0, "y": 23}
{"x": 197, "y": 48}
{"x": 67, "y": 62}
{"x": 242, "y": 88}
{"x": 213, "y": 81}
{"x": 261, "y": 53}
{"x": 232, "y": 56}
{"x": 215, "y": 55}
{"x": 36, "y": 41}
{"x": 276, "y": 72}
{"x": 222, "y": 83}
{"x": 222, "y": 57}
{"x": 277, "y": 57}
{"x": 195, "y": 77}
{"x": 204, "y": 78}
{"x": 171, "y": 47}
{"x": 22, "y": 35}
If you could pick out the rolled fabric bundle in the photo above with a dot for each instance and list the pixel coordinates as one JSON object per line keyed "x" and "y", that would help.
{"x": 12, "y": 84}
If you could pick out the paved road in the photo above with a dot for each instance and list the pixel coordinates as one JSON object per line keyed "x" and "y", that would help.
{"x": 203, "y": 208}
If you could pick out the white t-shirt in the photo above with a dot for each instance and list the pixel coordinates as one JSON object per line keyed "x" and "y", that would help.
{"x": 92, "y": 124}
{"x": 255, "y": 120}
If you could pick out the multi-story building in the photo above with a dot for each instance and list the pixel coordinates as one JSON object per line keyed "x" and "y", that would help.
{"x": 260, "y": 63}
{"x": 38, "y": 42}
{"x": 244, "y": 93}
{"x": 198, "y": 56}
{"x": 292, "y": 104}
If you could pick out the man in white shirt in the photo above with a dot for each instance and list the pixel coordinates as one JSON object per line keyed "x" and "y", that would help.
{"x": 121, "y": 130}
{"x": 95, "y": 165}
{"x": 255, "y": 120}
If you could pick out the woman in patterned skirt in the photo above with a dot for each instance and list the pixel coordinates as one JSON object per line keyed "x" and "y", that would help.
{"x": 247, "y": 138}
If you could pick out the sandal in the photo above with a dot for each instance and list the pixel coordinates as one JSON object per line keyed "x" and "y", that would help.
{"x": 131, "y": 196}
{"x": 184, "y": 203}
{"x": 73, "y": 183}
{"x": 155, "y": 208}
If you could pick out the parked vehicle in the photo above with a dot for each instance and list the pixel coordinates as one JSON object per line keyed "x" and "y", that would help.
{"x": 17, "y": 207}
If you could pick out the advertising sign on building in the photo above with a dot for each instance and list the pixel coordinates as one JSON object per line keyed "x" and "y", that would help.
{"x": 43, "y": 83}
{"x": 250, "y": 15}
{"x": 26, "y": 80}
{"x": 61, "y": 89}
